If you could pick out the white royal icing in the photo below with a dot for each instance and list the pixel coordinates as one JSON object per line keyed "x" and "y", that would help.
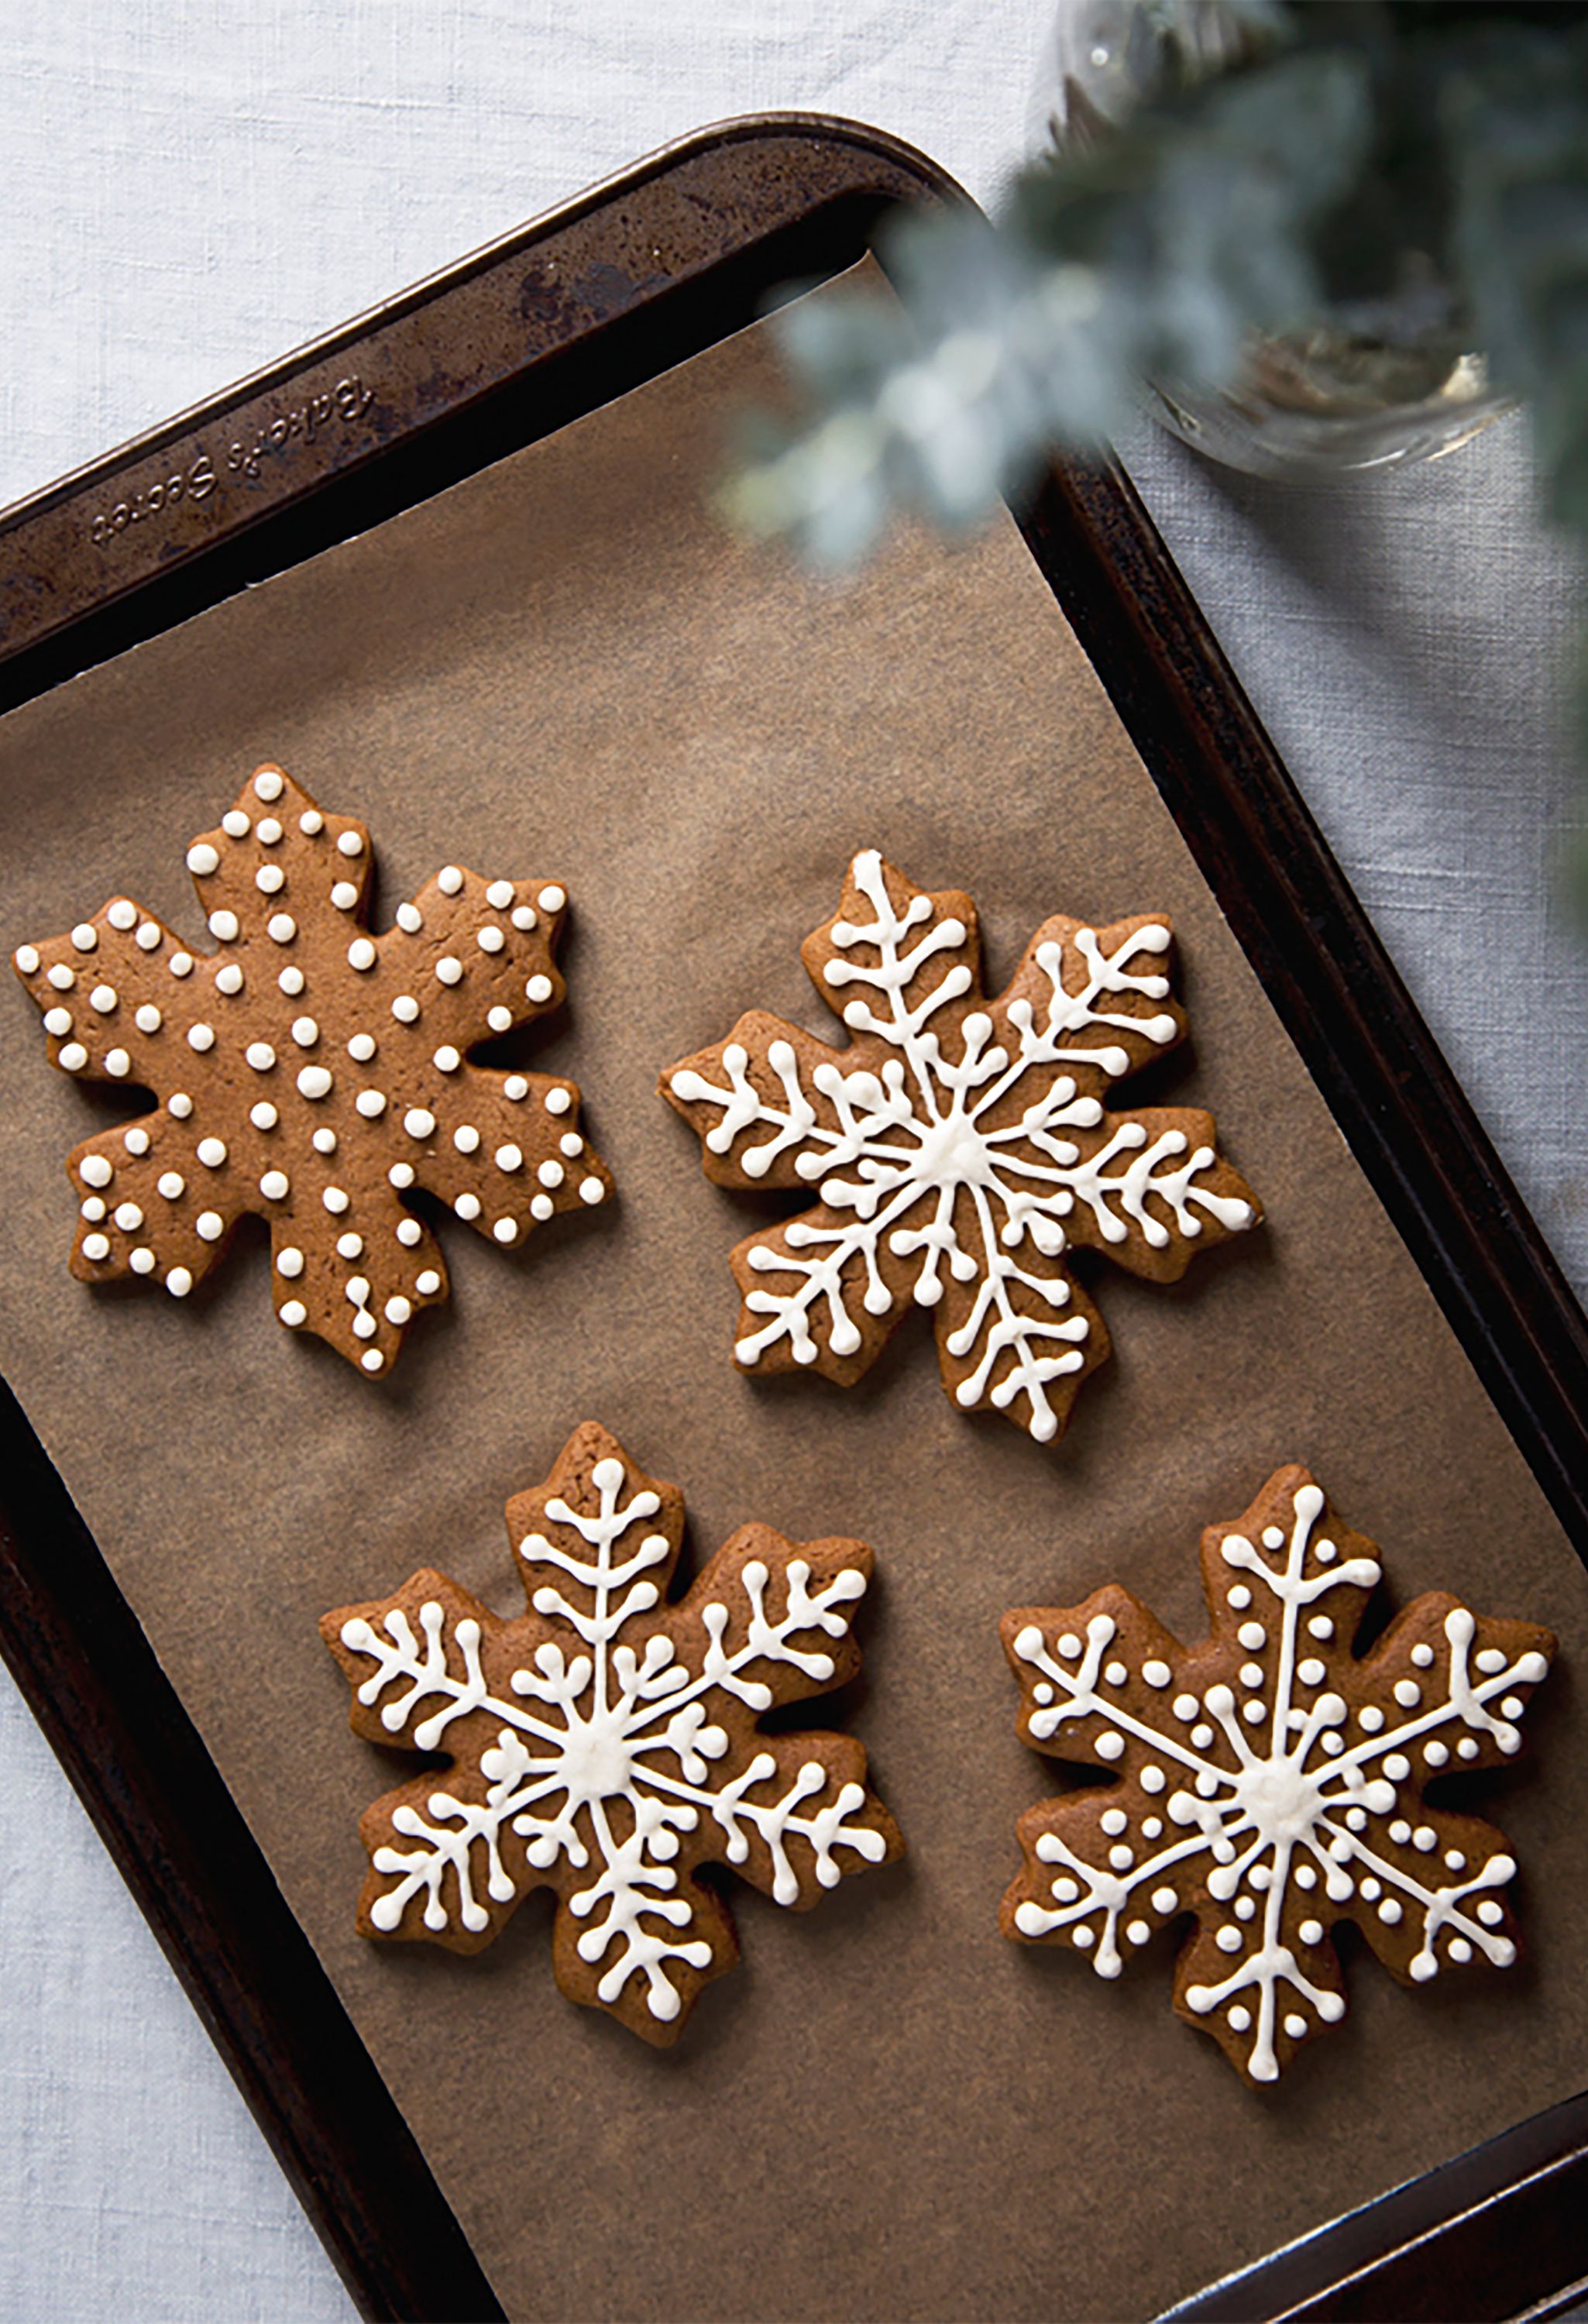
{"x": 1302, "y": 1805}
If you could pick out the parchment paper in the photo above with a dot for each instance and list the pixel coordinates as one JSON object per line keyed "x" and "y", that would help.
{"x": 563, "y": 669}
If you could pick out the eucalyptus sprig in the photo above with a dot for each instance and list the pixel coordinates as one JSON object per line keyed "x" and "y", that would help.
{"x": 1411, "y": 170}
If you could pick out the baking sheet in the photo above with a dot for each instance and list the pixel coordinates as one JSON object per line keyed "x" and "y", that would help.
{"x": 563, "y": 669}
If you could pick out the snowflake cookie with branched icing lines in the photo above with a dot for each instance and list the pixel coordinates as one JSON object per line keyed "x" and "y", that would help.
{"x": 313, "y": 1074}
{"x": 605, "y": 1744}
{"x": 959, "y": 1149}
{"x": 1269, "y": 1781}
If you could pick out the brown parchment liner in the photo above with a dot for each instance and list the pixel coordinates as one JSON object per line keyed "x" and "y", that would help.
{"x": 564, "y": 668}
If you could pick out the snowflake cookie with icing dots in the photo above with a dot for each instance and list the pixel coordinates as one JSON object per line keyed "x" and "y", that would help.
{"x": 959, "y": 1150}
{"x": 312, "y": 1073}
{"x": 605, "y": 1744}
{"x": 1269, "y": 1782}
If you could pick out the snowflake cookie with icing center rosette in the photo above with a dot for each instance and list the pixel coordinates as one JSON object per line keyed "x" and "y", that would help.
{"x": 959, "y": 1151}
{"x": 313, "y": 1074}
{"x": 605, "y": 1744}
{"x": 1269, "y": 1782}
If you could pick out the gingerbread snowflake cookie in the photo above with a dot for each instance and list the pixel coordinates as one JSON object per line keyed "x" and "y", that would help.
{"x": 312, "y": 1073}
{"x": 1269, "y": 1782}
{"x": 959, "y": 1149}
{"x": 605, "y": 1743}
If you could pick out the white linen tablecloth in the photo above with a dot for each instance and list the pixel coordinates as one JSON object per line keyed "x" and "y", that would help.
{"x": 188, "y": 190}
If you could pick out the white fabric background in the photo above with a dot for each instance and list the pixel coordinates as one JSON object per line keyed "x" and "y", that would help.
{"x": 187, "y": 189}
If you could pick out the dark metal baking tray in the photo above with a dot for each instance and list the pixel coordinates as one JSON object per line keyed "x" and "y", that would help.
{"x": 534, "y": 330}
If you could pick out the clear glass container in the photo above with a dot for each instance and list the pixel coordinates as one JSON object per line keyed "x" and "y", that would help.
{"x": 1310, "y": 405}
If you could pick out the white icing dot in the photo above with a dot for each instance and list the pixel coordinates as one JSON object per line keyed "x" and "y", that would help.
{"x": 410, "y": 918}
{"x": 1240, "y": 1596}
{"x": 371, "y": 1103}
{"x": 1397, "y": 1767}
{"x": 1114, "y": 1821}
{"x": 1312, "y": 1672}
{"x": 1252, "y": 1635}
{"x": 95, "y": 1170}
{"x": 541, "y": 1206}
{"x": 510, "y": 1157}
{"x": 202, "y": 859}
{"x": 1311, "y": 1933}
{"x": 62, "y": 977}
{"x": 179, "y": 1282}
{"x": 26, "y": 957}
{"x": 538, "y": 988}
{"x": 1422, "y": 1658}
{"x": 223, "y": 927}
{"x": 292, "y": 1312}
{"x": 1467, "y": 1748}
{"x": 96, "y": 1246}
{"x": 142, "y": 1260}
{"x": 1228, "y": 1939}
{"x": 260, "y": 1055}
{"x": 499, "y": 1019}
{"x": 311, "y": 822}
{"x": 397, "y": 1310}
{"x": 350, "y": 842}
{"x": 418, "y": 1122}
{"x": 336, "y": 1200}
{"x": 1460, "y": 1951}
{"x": 1490, "y": 1661}
{"x": 428, "y": 1283}
{"x": 361, "y": 954}
{"x": 275, "y": 1186}
{"x": 325, "y": 1141}
{"x": 122, "y": 915}
{"x": 571, "y": 1145}
{"x": 405, "y": 1009}
{"x": 135, "y": 1139}
{"x": 372, "y": 1359}
{"x": 365, "y": 1325}
{"x": 235, "y": 823}
{"x": 305, "y": 1032}
{"x": 558, "y": 1100}
{"x": 280, "y": 928}
{"x": 1408, "y": 1694}
{"x": 201, "y": 1037}
{"x": 270, "y": 879}
{"x": 212, "y": 1152}
{"x": 409, "y": 1233}
{"x": 349, "y": 1246}
{"x": 1371, "y": 1718}
{"x": 269, "y": 832}
{"x": 515, "y": 1087}
{"x": 314, "y": 1082}
{"x": 446, "y": 1059}
{"x": 401, "y": 1175}
{"x": 1321, "y": 1627}
{"x": 1153, "y": 1779}
{"x": 180, "y": 964}
{"x": 263, "y": 1116}
{"x": 179, "y": 1105}
{"x": 499, "y": 895}
{"x": 523, "y": 916}
{"x": 85, "y": 937}
{"x": 467, "y": 1207}
{"x": 289, "y": 1262}
{"x": 505, "y": 1231}
{"x": 148, "y": 1019}
{"x": 1110, "y": 1746}
{"x": 1185, "y": 1706}
{"x": 291, "y": 982}
{"x": 1295, "y": 2026}
{"x": 103, "y": 999}
{"x": 449, "y": 880}
{"x": 57, "y": 1022}
{"x": 467, "y": 1139}
{"x": 171, "y": 1184}
{"x": 361, "y": 1048}
{"x": 1273, "y": 1538}
{"x": 552, "y": 899}
{"x": 357, "y": 1289}
{"x": 268, "y": 784}
{"x": 1251, "y": 1673}
{"x": 209, "y": 1226}
{"x": 343, "y": 895}
{"x": 490, "y": 940}
{"x": 551, "y": 1174}
{"x": 449, "y": 970}
{"x": 229, "y": 980}
{"x": 148, "y": 937}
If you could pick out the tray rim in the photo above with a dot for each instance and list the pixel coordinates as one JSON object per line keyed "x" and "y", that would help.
{"x": 130, "y": 1750}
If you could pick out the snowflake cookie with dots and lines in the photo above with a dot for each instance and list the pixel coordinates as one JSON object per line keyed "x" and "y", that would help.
{"x": 959, "y": 1150}
{"x": 312, "y": 1073}
{"x": 1269, "y": 1781}
{"x": 605, "y": 1744}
